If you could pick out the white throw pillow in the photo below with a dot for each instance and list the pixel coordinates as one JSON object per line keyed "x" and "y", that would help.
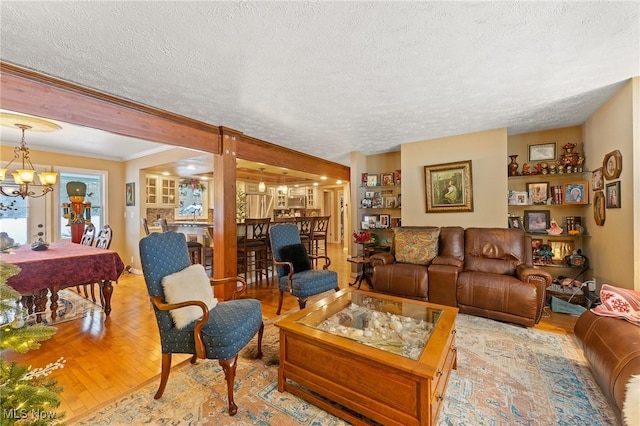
{"x": 192, "y": 283}
{"x": 631, "y": 406}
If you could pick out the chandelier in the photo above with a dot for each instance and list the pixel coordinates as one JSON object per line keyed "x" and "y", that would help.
{"x": 24, "y": 178}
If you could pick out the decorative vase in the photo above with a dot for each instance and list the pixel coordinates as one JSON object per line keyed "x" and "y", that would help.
{"x": 513, "y": 166}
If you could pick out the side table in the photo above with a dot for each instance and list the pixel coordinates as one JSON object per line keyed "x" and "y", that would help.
{"x": 363, "y": 270}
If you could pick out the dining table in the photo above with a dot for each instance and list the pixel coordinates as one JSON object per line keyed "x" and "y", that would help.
{"x": 63, "y": 264}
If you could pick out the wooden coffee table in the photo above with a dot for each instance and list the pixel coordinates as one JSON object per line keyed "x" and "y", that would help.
{"x": 364, "y": 382}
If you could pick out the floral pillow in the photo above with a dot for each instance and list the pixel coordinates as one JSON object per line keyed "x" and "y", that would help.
{"x": 620, "y": 303}
{"x": 418, "y": 247}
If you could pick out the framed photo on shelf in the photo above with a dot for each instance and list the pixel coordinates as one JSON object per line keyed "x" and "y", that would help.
{"x": 390, "y": 202}
{"x": 518, "y": 198}
{"x": 369, "y": 194}
{"x": 370, "y": 220}
{"x": 449, "y": 187}
{"x": 576, "y": 192}
{"x": 542, "y": 151}
{"x": 372, "y": 180}
{"x": 537, "y": 221}
{"x": 364, "y": 179}
{"x": 612, "y": 165}
{"x": 613, "y": 195}
{"x": 387, "y": 179}
{"x": 364, "y": 225}
{"x": 515, "y": 222}
{"x": 538, "y": 192}
{"x": 384, "y": 220}
{"x": 597, "y": 181}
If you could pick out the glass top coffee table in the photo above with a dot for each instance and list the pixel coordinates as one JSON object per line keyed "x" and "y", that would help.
{"x": 368, "y": 357}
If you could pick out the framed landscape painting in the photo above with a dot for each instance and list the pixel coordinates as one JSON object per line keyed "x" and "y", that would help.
{"x": 449, "y": 187}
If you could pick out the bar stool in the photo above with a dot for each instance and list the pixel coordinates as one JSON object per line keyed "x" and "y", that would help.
{"x": 320, "y": 229}
{"x": 253, "y": 248}
{"x": 195, "y": 252}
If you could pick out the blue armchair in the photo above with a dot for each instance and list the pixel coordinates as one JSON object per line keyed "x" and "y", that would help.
{"x": 293, "y": 264}
{"x": 219, "y": 334}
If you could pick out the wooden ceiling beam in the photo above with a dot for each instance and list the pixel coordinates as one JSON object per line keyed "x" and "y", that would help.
{"x": 253, "y": 149}
{"x": 29, "y": 92}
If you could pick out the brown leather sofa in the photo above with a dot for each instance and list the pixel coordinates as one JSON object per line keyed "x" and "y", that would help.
{"x": 410, "y": 280}
{"x": 483, "y": 271}
{"x": 612, "y": 347}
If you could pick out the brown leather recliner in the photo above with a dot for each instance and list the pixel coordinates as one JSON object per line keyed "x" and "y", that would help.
{"x": 498, "y": 280}
{"x": 415, "y": 281}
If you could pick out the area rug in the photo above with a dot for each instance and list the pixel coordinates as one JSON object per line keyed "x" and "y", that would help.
{"x": 71, "y": 306}
{"x": 506, "y": 375}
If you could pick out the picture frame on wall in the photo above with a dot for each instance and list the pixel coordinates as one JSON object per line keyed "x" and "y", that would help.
{"x": 576, "y": 192}
{"x": 599, "y": 211}
{"x": 537, "y": 221}
{"x": 597, "y": 180}
{"x": 613, "y": 195}
{"x": 612, "y": 165}
{"x": 538, "y": 192}
{"x": 130, "y": 194}
{"x": 449, "y": 187}
{"x": 542, "y": 151}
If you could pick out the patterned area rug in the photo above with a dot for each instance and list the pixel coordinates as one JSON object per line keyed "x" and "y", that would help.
{"x": 71, "y": 306}
{"x": 506, "y": 375}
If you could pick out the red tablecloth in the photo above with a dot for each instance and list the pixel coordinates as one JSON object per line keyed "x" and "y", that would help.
{"x": 64, "y": 264}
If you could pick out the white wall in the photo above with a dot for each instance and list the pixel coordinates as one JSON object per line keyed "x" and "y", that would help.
{"x": 487, "y": 151}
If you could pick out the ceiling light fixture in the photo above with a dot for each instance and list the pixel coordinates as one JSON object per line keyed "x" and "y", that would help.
{"x": 262, "y": 187}
{"x": 24, "y": 178}
{"x": 283, "y": 188}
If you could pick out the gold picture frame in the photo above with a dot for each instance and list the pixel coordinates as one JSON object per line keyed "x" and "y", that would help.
{"x": 599, "y": 212}
{"x": 612, "y": 165}
{"x": 449, "y": 187}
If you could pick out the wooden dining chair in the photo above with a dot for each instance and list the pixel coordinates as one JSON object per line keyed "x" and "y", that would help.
{"x": 163, "y": 225}
{"x": 145, "y": 225}
{"x": 103, "y": 241}
{"x": 88, "y": 236}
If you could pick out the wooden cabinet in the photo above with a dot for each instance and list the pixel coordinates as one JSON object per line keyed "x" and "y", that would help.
{"x": 533, "y": 197}
{"x": 161, "y": 191}
{"x": 192, "y": 200}
{"x": 312, "y": 197}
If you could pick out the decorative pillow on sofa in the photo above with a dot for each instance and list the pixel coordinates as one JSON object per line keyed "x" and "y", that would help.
{"x": 418, "y": 247}
{"x": 620, "y": 303}
{"x": 192, "y": 283}
{"x": 297, "y": 255}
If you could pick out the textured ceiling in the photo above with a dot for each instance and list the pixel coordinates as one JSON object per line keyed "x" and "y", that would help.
{"x": 327, "y": 78}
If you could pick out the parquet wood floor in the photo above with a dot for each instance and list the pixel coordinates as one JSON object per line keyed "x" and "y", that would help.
{"x": 108, "y": 357}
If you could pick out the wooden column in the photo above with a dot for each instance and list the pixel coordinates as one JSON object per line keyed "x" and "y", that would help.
{"x": 225, "y": 229}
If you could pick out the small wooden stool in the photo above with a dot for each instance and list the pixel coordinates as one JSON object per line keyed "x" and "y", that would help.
{"x": 195, "y": 252}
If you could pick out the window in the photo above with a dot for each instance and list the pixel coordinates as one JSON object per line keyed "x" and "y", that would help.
{"x": 95, "y": 195}
{"x": 13, "y": 217}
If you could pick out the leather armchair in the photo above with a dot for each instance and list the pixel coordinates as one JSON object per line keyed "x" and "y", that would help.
{"x": 498, "y": 280}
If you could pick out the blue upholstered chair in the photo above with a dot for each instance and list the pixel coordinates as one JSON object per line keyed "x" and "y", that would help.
{"x": 295, "y": 273}
{"x": 219, "y": 334}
